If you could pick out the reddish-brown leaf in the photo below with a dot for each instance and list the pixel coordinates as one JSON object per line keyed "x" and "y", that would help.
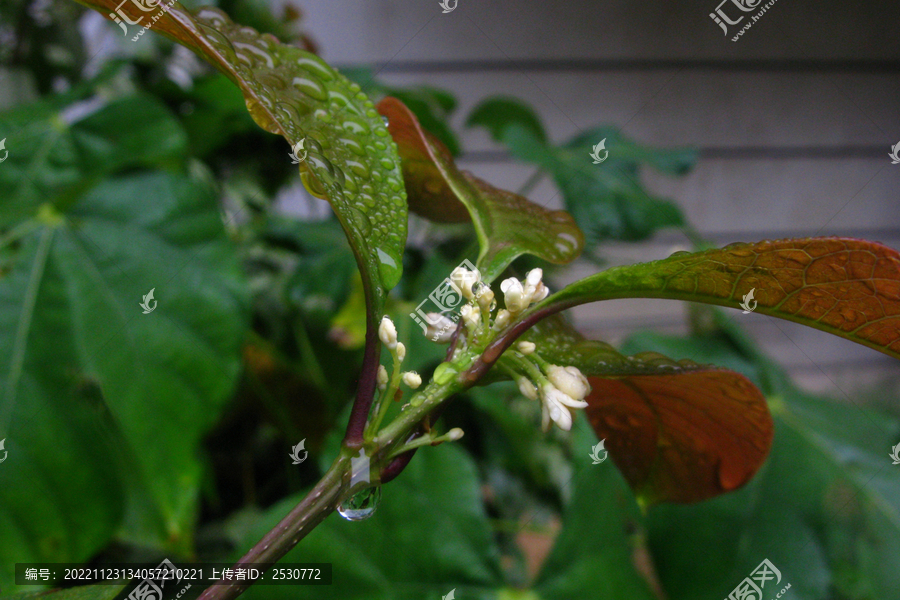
{"x": 679, "y": 431}
{"x": 844, "y": 286}
{"x": 508, "y": 225}
{"x": 683, "y": 437}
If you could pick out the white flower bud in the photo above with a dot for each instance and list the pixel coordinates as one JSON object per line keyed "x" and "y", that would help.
{"x": 382, "y": 378}
{"x": 485, "y": 299}
{"x": 514, "y": 295}
{"x": 533, "y": 279}
{"x": 412, "y": 379}
{"x": 401, "y": 351}
{"x": 569, "y": 380}
{"x": 442, "y": 330}
{"x": 527, "y": 388}
{"x": 387, "y": 332}
{"x": 502, "y": 319}
{"x": 465, "y": 280}
{"x": 556, "y": 404}
{"x": 471, "y": 315}
{"x": 454, "y": 434}
{"x": 540, "y": 293}
{"x": 526, "y": 347}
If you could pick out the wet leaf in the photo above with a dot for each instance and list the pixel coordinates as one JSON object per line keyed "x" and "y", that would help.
{"x": 351, "y": 159}
{"x": 679, "y": 431}
{"x": 844, "y": 286}
{"x": 507, "y": 224}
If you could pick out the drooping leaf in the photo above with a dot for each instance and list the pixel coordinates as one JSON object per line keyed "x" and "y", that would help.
{"x": 606, "y": 199}
{"x": 71, "y": 323}
{"x": 844, "y": 286}
{"x": 679, "y": 431}
{"x": 350, "y": 160}
{"x": 825, "y": 509}
{"x": 507, "y": 225}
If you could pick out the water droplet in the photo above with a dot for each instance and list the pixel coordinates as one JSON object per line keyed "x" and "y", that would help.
{"x": 679, "y": 253}
{"x": 388, "y": 268}
{"x": 356, "y": 127}
{"x": 358, "y": 168}
{"x": 310, "y": 87}
{"x": 386, "y": 120}
{"x": 361, "y": 505}
{"x": 352, "y": 145}
{"x": 316, "y": 66}
{"x": 361, "y": 221}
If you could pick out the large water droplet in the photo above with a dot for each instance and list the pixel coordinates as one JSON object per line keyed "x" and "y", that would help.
{"x": 361, "y": 505}
{"x": 387, "y": 268}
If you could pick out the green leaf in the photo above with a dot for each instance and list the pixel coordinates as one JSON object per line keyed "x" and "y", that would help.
{"x": 70, "y": 321}
{"x": 431, "y": 516}
{"x": 351, "y": 159}
{"x": 593, "y": 555}
{"x": 56, "y": 152}
{"x": 844, "y": 286}
{"x": 499, "y": 115}
{"x": 606, "y": 199}
{"x": 507, "y": 225}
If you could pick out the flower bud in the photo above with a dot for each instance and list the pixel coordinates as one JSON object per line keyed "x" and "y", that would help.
{"x": 502, "y": 319}
{"x": 470, "y": 315}
{"x": 514, "y": 295}
{"x": 569, "y": 380}
{"x": 527, "y": 388}
{"x": 387, "y": 332}
{"x": 401, "y": 351}
{"x": 557, "y": 404}
{"x": 465, "y": 280}
{"x": 412, "y": 379}
{"x": 454, "y": 434}
{"x": 526, "y": 347}
{"x": 441, "y": 331}
{"x": 382, "y": 378}
{"x": 485, "y": 299}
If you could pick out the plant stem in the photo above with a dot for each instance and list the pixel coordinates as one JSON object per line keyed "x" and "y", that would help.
{"x": 312, "y": 510}
{"x": 367, "y": 382}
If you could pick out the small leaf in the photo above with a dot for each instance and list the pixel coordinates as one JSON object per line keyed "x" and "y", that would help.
{"x": 844, "y": 286}
{"x": 678, "y": 431}
{"x": 500, "y": 114}
{"x": 290, "y": 92}
{"x": 606, "y": 201}
{"x": 507, "y": 225}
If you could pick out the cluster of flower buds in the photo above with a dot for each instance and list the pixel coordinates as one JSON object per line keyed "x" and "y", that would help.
{"x": 481, "y": 302}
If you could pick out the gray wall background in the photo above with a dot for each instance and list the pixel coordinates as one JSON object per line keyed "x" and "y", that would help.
{"x": 794, "y": 122}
